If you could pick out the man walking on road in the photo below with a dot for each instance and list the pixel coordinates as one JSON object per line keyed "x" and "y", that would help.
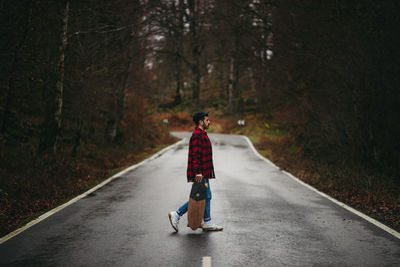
{"x": 200, "y": 166}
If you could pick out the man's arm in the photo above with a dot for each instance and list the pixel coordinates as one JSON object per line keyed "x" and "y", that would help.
{"x": 197, "y": 147}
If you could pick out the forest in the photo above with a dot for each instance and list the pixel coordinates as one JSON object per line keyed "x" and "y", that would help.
{"x": 85, "y": 84}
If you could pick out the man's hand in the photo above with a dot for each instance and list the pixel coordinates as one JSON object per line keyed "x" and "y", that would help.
{"x": 198, "y": 178}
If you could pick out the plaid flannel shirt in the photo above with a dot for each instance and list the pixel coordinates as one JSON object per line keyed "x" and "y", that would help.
{"x": 200, "y": 156}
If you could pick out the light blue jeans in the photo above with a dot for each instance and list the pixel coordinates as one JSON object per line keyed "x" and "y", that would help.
{"x": 207, "y": 212}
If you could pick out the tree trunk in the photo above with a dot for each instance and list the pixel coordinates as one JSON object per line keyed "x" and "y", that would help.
{"x": 178, "y": 80}
{"x": 193, "y": 26}
{"x": 231, "y": 82}
{"x": 77, "y": 139}
{"x": 237, "y": 92}
{"x": 60, "y": 82}
{"x": 122, "y": 100}
{"x": 11, "y": 80}
{"x": 196, "y": 84}
{"x": 179, "y": 51}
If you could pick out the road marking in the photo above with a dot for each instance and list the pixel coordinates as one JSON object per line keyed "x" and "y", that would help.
{"x": 362, "y": 215}
{"x": 56, "y": 209}
{"x": 206, "y": 261}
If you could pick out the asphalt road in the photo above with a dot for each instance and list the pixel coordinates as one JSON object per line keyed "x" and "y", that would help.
{"x": 269, "y": 220}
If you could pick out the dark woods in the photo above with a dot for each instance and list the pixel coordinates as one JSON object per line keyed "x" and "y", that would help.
{"x": 81, "y": 76}
{"x": 336, "y": 68}
{"x": 73, "y": 99}
{"x": 69, "y": 69}
{"x": 326, "y": 70}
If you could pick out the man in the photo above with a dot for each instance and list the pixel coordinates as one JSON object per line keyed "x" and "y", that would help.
{"x": 200, "y": 166}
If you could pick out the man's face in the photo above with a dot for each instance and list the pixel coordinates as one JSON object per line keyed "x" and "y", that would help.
{"x": 205, "y": 123}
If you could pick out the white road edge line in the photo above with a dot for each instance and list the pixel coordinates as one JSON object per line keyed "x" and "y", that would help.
{"x": 362, "y": 215}
{"x": 206, "y": 261}
{"x": 62, "y": 206}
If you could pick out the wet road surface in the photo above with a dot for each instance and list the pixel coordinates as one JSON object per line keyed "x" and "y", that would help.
{"x": 269, "y": 220}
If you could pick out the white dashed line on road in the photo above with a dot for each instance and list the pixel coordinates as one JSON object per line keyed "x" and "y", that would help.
{"x": 206, "y": 261}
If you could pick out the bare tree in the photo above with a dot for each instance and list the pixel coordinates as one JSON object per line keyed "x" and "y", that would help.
{"x": 61, "y": 72}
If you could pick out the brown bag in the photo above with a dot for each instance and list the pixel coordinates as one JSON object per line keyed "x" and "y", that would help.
{"x": 197, "y": 204}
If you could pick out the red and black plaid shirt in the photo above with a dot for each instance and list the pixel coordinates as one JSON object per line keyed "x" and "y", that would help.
{"x": 200, "y": 156}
